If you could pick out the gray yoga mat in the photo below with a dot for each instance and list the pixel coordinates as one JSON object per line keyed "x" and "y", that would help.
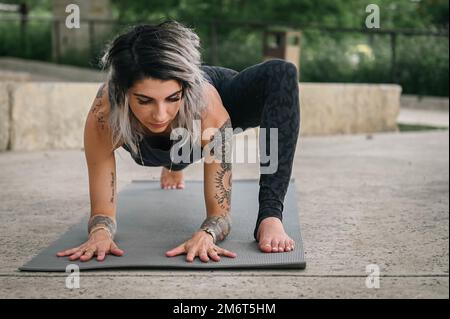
{"x": 152, "y": 220}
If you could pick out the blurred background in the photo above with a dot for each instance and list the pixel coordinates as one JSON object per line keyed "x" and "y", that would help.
{"x": 364, "y": 66}
{"x": 334, "y": 45}
{"x": 371, "y": 167}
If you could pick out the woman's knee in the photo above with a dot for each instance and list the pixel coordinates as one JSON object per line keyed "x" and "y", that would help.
{"x": 281, "y": 66}
{"x": 281, "y": 75}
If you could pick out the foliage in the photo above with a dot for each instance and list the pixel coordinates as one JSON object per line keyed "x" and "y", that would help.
{"x": 421, "y": 65}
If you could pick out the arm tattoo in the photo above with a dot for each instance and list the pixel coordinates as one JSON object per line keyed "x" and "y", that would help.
{"x": 102, "y": 221}
{"x": 217, "y": 226}
{"x": 100, "y": 92}
{"x": 96, "y": 108}
{"x": 223, "y": 140}
{"x": 112, "y": 187}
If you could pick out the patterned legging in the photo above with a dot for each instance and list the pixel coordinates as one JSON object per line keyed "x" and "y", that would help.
{"x": 264, "y": 95}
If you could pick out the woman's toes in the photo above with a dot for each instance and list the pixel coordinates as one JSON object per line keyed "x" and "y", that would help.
{"x": 168, "y": 186}
{"x": 287, "y": 245}
{"x": 181, "y": 185}
{"x": 281, "y": 246}
{"x": 265, "y": 246}
{"x": 275, "y": 245}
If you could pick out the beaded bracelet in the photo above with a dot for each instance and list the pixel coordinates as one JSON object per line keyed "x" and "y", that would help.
{"x": 96, "y": 221}
{"x": 217, "y": 226}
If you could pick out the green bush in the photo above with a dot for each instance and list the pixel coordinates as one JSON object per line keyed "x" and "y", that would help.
{"x": 421, "y": 63}
{"x": 240, "y": 49}
{"x": 34, "y": 43}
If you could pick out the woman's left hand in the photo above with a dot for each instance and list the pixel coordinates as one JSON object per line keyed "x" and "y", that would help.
{"x": 201, "y": 244}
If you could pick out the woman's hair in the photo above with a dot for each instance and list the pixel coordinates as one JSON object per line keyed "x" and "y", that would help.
{"x": 167, "y": 51}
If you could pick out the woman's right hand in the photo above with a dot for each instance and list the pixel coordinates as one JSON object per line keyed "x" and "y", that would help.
{"x": 99, "y": 243}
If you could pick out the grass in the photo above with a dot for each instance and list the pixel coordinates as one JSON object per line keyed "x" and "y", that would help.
{"x": 419, "y": 127}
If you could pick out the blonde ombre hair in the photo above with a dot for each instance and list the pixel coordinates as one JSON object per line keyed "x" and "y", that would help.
{"x": 167, "y": 51}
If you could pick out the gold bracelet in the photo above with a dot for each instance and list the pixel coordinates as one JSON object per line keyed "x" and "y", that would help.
{"x": 102, "y": 220}
{"x": 217, "y": 226}
{"x": 93, "y": 230}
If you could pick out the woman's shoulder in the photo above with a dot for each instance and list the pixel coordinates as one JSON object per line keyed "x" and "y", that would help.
{"x": 101, "y": 102}
{"x": 98, "y": 117}
{"x": 214, "y": 114}
{"x": 214, "y": 108}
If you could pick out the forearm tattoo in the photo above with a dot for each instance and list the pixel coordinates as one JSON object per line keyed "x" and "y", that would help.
{"x": 112, "y": 187}
{"x": 223, "y": 178}
{"x": 96, "y": 108}
{"x": 218, "y": 226}
{"x": 97, "y": 221}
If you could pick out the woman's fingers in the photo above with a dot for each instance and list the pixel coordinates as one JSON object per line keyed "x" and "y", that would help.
{"x": 203, "y": 255}
{"x": 176, "y": 251}
{"x": 77, "y": 254}
{"x": 116, "y": 250}
{"x": 88, "y": 253}
{"x": 225, "y": 252}
{"x": 101, "y": 253}
{"x": 67, "y": 252}
{"x": 204, "y": 250}
{"x": 191, "y": 254}
{"x": 213, "y": 254}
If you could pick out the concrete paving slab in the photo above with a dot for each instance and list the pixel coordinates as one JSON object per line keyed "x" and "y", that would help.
{"x": 223, "y": 287}
{"x": 378, "y": 199}
{"x": 437, "y": 118}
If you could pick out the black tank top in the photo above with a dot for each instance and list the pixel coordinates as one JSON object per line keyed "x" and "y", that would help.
{"x": 153, "y": 156}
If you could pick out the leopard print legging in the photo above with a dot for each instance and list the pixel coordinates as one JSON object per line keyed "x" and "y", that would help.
{"x": 265, "y": 95}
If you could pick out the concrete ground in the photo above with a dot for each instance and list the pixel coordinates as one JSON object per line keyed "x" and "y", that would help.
{"x": 436, "y": 118}
{"x": 381, "y": 199}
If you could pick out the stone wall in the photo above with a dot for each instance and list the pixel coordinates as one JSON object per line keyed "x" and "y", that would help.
{"x": 329, "y": 108}
{"x": 46, "y": 115}
{"x": 4, "y": 116}
{"x": 51, "y": 115}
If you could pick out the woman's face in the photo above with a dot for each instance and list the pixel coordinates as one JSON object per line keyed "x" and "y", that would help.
{"x": 155, "y": 103}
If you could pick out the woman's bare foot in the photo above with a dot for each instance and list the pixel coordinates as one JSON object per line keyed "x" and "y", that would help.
{"x": 171, "y": 179}
{"x": 272, "y": 237}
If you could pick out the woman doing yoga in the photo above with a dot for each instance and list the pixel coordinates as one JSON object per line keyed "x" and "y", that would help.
{"x": 157, "y": 87}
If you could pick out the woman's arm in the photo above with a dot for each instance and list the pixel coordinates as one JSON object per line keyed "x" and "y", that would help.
{"x": 102, "y": 185}
{"x": 100, "y": 157}
{"x": 217, "y": 134}
{"x": 217, "y": 187}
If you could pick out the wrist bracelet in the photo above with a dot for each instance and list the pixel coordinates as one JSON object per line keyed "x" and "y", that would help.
{"x": 209, "y": 231}
{"x": 217, "y": 226}
{"x": 104, "y": 221}
{"x": 93, "y": 230}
